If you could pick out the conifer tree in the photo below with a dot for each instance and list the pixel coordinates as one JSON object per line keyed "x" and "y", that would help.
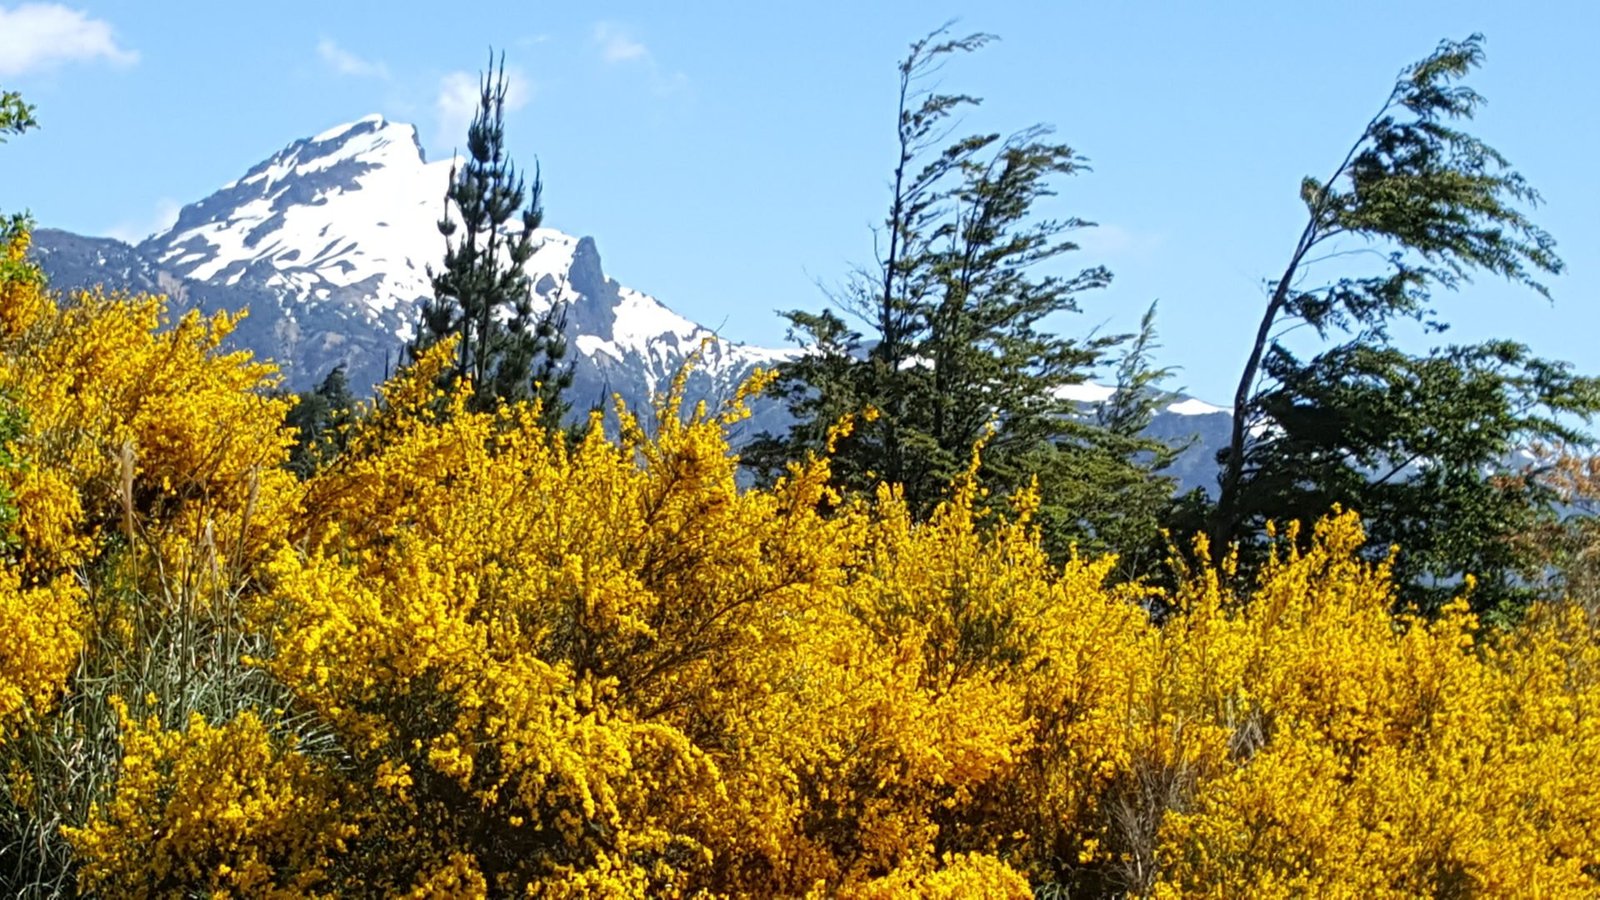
{"x": 955, "y": 310}
{"x": 1122, "y": 499}
{"x": 483, "y": 296}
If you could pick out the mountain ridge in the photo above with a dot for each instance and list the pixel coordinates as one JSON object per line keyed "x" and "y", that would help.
{"x": 328, "y": 241}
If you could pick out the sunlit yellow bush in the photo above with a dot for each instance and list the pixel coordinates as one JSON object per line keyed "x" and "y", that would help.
{"x": 140, "y": 487}
{"x": 506, "y": 663}
{"x": 22, "y": 298}
{"x": 967, "y": 875}
{"x": 137, "y": 433}
{"x": 40, "y": 637}
{"x": 225, "y": 810}
{"x": 40, "y": 603}
{"x": 141, "y": 426}
{"x": 612, "y": 670}
{"x": 1393, "y": 757}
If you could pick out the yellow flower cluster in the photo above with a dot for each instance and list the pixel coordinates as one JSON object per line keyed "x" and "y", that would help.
{"x": 510, "y": 664}
{"x": 39, "y": 643}
{"x": 21, "y": 284}
{"x": 1379, "y": 757}
{"x": 157, "y": 435}
{"x": 40, "y": 602}
{"x": 226, "y": 811}
{"x": 958, "y": 878}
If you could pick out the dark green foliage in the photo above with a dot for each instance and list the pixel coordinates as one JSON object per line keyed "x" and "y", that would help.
{"x": 322, "y": 419}
{"x": 958, "y": 352}
{"x": 1117, "y": 500}
{"x": 1417, "y": 444}
{"x": 482, "y": 295}
{"x": 15, "y": 115}
{"x": 1422, "y": 447}
{"x": 821, "y": 387}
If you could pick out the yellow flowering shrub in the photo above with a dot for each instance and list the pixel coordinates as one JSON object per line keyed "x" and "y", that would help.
{"x": 40, "y": 604}
{"x": 614, "y": 671}
{"x": 536, "y": 643}
{"x": 506, "y": 663}
{"x": 1395, "y": 757}
{"x": 40, "y": 637}
{"x": 1001, "y": 714}
{"x": 138, "y": 432}
{"x": 228, "y": 811}
{"x": 22, "y": 298}
{"x": 159, "y": 434}
{"x": 140, "y": 487}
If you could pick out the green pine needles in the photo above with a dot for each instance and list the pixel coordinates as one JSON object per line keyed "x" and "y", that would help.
{"x": 483, "y": 297}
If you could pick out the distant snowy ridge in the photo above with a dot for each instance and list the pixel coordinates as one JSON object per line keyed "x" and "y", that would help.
{"x": 330, "y": 240}
{"x": 328, "y": 243}
{"x": 1091, "y": 393}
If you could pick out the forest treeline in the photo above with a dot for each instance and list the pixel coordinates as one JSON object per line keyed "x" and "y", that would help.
{"x": 957, "y": 641}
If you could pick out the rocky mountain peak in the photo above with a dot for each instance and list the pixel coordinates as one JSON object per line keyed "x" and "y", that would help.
{"x": 327, "y": 243}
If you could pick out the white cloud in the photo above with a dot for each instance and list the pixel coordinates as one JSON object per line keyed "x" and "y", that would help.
{"x": 459, "y": 93}
{"x": 132, "y": 231}
{"x": 662, "y": 84}
{"x": 616, "y": 45}
{"x": 37, "y": 36}
{"x": 346, "y": 63}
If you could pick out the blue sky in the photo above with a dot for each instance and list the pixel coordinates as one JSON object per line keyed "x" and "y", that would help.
{"x": 729, "y": 157}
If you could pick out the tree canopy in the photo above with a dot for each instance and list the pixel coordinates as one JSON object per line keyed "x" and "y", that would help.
{"x": 957, "y": 349}
{"x": 1418, "y": 443}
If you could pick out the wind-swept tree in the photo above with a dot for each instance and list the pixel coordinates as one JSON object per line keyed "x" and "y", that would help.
{"x": 483, "y": 297}
{"x": 956, "y": 350}
{"x": 1416, "y": 443}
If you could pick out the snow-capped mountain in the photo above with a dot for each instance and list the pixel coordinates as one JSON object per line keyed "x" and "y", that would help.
{"x": 328, "y": 243}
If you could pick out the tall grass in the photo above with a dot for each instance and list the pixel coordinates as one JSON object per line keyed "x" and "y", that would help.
{"x": 169, "y": 641}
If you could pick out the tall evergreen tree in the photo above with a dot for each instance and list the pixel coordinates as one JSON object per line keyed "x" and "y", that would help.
{"x": 1416, "y": 443}
{"x": 956, "y": 309}
{"x": 483, "y": 296}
